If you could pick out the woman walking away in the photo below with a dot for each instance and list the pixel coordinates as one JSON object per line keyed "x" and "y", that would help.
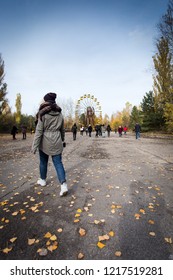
{"x": 49, "y": 138}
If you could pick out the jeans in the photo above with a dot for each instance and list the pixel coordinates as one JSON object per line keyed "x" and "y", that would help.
{"x": 137, "y": 134}
{"x": 57, "y": 161}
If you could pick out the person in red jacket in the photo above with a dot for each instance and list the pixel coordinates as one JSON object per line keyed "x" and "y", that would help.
{"x": 125, "y": 129}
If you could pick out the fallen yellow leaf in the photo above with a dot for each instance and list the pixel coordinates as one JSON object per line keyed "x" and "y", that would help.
{"x": 3, "y": 203}
{"x": 23, "y": 218}
{"x": 82, "y": 232}
{"x": 42, "y": 251}
{"x": 52, "y": 247}
{"x": 168, "y": 240}
{"x": 79, "y": 210}
{"x": 111, "y": 233}
{"x": 76, "y": 220}
{"x": 53, "y": 237}
{"x": 101, "y": 245}
{"x": 142, "y": 211}
{"x": 104, "y": 237}
{"x": 96, "y": 222}
{"x": 33, "y": 208}
{"x": 15, "y": 213}
{"x": 31, "y": 241}
{"x": 59, "y": 230}
{"x": 118, "y": 253}
{"x": 77, "y": 215}
{"x": 113, "y": 206}
{"x": 6, "y": 250}
{"x": 13, "y": 239}
{"x": 151, "y": 222}
{"x": 80, "y": 256}
{"x": 48, "y": 235}
{"x": 89, "y": 204}
{"x": 22, "y": 211}
{"x": 137, "y": 216}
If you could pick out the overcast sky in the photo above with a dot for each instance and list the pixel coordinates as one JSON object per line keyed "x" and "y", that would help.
{"x": 76, "y": 47}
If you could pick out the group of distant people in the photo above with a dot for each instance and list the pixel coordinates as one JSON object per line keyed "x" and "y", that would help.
{"x": 15, "y": 130}
{"x": 122, "y": 129}
{"x": 100, "y": 130}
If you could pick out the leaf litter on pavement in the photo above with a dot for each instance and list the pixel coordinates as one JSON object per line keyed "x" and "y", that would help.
{"x": 49, "y": 240}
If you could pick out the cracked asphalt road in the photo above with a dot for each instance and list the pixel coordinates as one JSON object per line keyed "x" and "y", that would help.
{"x": 119, "y": 185}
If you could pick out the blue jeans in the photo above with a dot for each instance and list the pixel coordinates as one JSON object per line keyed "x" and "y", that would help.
{"x": 57, "y": 161}
{"x": 137, "y": 134}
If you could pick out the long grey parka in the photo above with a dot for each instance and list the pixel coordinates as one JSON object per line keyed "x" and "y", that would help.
{"x": 49, "y": 135}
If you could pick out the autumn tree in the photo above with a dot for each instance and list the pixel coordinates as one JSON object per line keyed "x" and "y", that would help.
{"x": 166, "y": 26}
{"x": 116, "y": 120}
{"x": 168, "y": 114}
{"x": 106, "y": 119}
{"x": 126, "y": 114}
{"x": 163, "y": 79}
{"x": 3, "y": 88}
{"x": 18, "y": 106}
{"x": 135, "y": 117}
{"x": 150, "y": 119}
{"x": 67, "y": 106}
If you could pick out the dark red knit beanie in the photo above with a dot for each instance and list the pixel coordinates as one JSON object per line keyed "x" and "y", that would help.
{"x": 50, "y": 97}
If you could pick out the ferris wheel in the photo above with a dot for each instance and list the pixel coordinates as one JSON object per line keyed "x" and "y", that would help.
{"x": 88, "y": 106}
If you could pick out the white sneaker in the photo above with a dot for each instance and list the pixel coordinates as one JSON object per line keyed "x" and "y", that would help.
{"x": 64, "y": 189}
{"x": 41, "y": 182}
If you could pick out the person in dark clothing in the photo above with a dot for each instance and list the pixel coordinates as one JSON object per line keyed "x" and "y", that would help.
{"x": 90, "y": 130}
{"x": 24, "y": 128}
{"x": 120, "y": 130}
{"x": 137, "y": 130}
{"x": 97, "y": 130}
{"x": 108, "y": 129}
{"x": 74, "y": 130}
{"x": 14, "y": 131}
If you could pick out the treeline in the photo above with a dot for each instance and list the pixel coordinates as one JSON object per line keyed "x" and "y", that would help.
{"x": 154, "y": 113}
{"x": 7, "y": 118}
